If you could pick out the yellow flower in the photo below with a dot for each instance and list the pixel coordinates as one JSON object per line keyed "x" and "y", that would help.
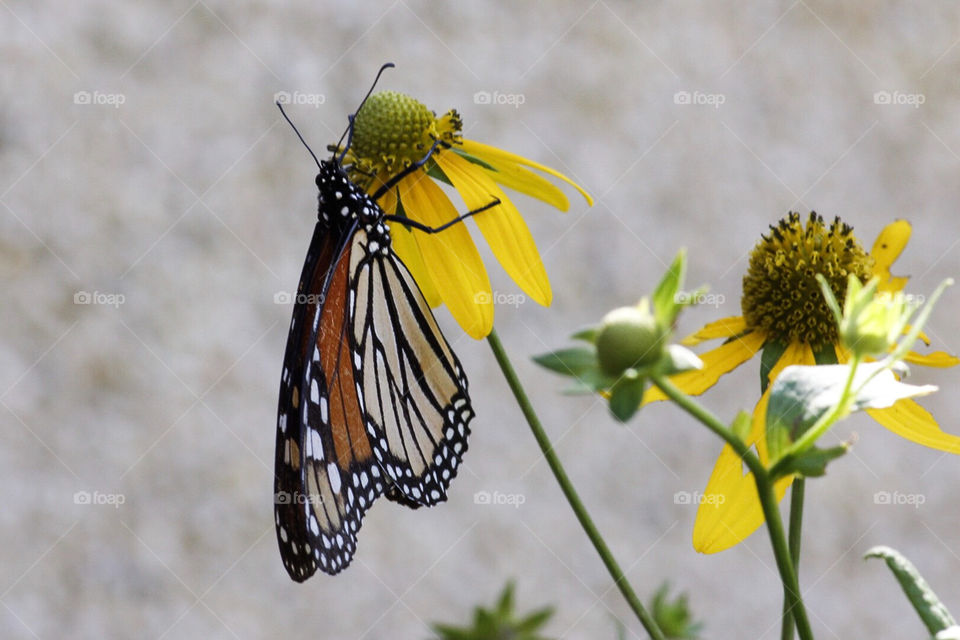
{"x": 391, "y": 132}
{"x": 784, "y": 311}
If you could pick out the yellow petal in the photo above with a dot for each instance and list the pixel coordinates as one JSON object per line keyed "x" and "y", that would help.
{"x": 502, "y": 225}
{"x": 519, "y": 179}
{"x": 734, "y": 511}
{"x": 450, "y": 256}
{"x": 500, "y": 157}
{"x": 730, "y": 510}
{"x": 940, "y": 359}
{"x": 716, "y": 362}
{"x": 909, "y": 420}
{"x": 406, "y": 248}
{"x": 888, "y": 246}
{"x": 409, "y": 253}
{"x": 923, "y": 336}
{"x": 722, "y": 328}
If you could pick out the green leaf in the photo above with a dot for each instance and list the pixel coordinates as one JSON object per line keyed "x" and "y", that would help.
{"x": 498, "y": 622}
{"x": 827, "y": 354}
{"x": 802, "y": 394}
{"x": 625, "y": 396}
{"x": 591, "y": 381}
{"x": 665, "y": 304}
{"x": 587, "y": 335}
{"x": 812, "y": 463}
{"x": 772, "y": 350}
{"x": 435, "y": 172}
{"x": 575, "y": 361}
{"x": 474, "y": 159}
{"x": 673, "y": 616}
{"x": 925, "y": 602}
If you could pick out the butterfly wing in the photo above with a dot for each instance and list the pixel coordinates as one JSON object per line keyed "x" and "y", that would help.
{"x": 326, "y": 476}
{"x": 413, "y": 388}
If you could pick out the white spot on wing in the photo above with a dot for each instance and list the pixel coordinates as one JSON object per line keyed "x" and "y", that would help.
{"x": 334, "y": 474}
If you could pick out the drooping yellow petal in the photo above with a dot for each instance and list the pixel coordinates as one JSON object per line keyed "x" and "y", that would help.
{"x": 405, "y": 246}
{"x": 452, "y": 259}
{"x": 730, "y": 510}
{"x": 519, "y": 179}
{"x": 716, "y": 362}
{"x": 940, "y": 359}
{"x": 909, "y": 420}
{"x": 722, "y": 328}
{"x": 887, "y": 248}
{"x": 922, "y": 336}
{"x": 502, "y": 226}
{"x": 500, "y": 157}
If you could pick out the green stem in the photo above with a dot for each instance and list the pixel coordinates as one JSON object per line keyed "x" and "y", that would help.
{"x": 796, "y": 525}
{"x": 567, "y": 487}
{"x": 768, "y": 501}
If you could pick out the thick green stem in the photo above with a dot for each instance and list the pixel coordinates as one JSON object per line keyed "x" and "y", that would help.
{"x": 768, "y": 501}
{"x": 569, "y": 492}
{"x": 796, "y": 526}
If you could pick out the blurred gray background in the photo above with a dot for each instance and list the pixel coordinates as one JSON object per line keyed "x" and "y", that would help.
{"x": 175, "y": 197}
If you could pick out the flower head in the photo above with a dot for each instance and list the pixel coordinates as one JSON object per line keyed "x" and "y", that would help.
{"x": 393, "y": 132}
{"x": 787, "y": 318}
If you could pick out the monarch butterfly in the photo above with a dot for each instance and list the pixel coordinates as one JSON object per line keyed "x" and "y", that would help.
{"x": 373, "y": 400}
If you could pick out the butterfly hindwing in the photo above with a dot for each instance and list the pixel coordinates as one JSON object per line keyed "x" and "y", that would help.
{"x": 415, "y": 392}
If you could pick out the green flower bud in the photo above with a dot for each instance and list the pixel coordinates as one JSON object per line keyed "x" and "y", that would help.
{"x": 872, "y": 322}
{"x": 629, "y": 337}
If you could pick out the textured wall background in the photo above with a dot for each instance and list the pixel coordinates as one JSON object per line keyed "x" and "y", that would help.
{"x": 194, "y": 201}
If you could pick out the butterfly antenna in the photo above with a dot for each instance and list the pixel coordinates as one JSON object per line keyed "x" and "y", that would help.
{"x": 297, "y": 131}
{"x": 348, "y": 134}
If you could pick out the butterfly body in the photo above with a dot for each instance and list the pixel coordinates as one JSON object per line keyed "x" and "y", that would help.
{"x": 372, "y": 399}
